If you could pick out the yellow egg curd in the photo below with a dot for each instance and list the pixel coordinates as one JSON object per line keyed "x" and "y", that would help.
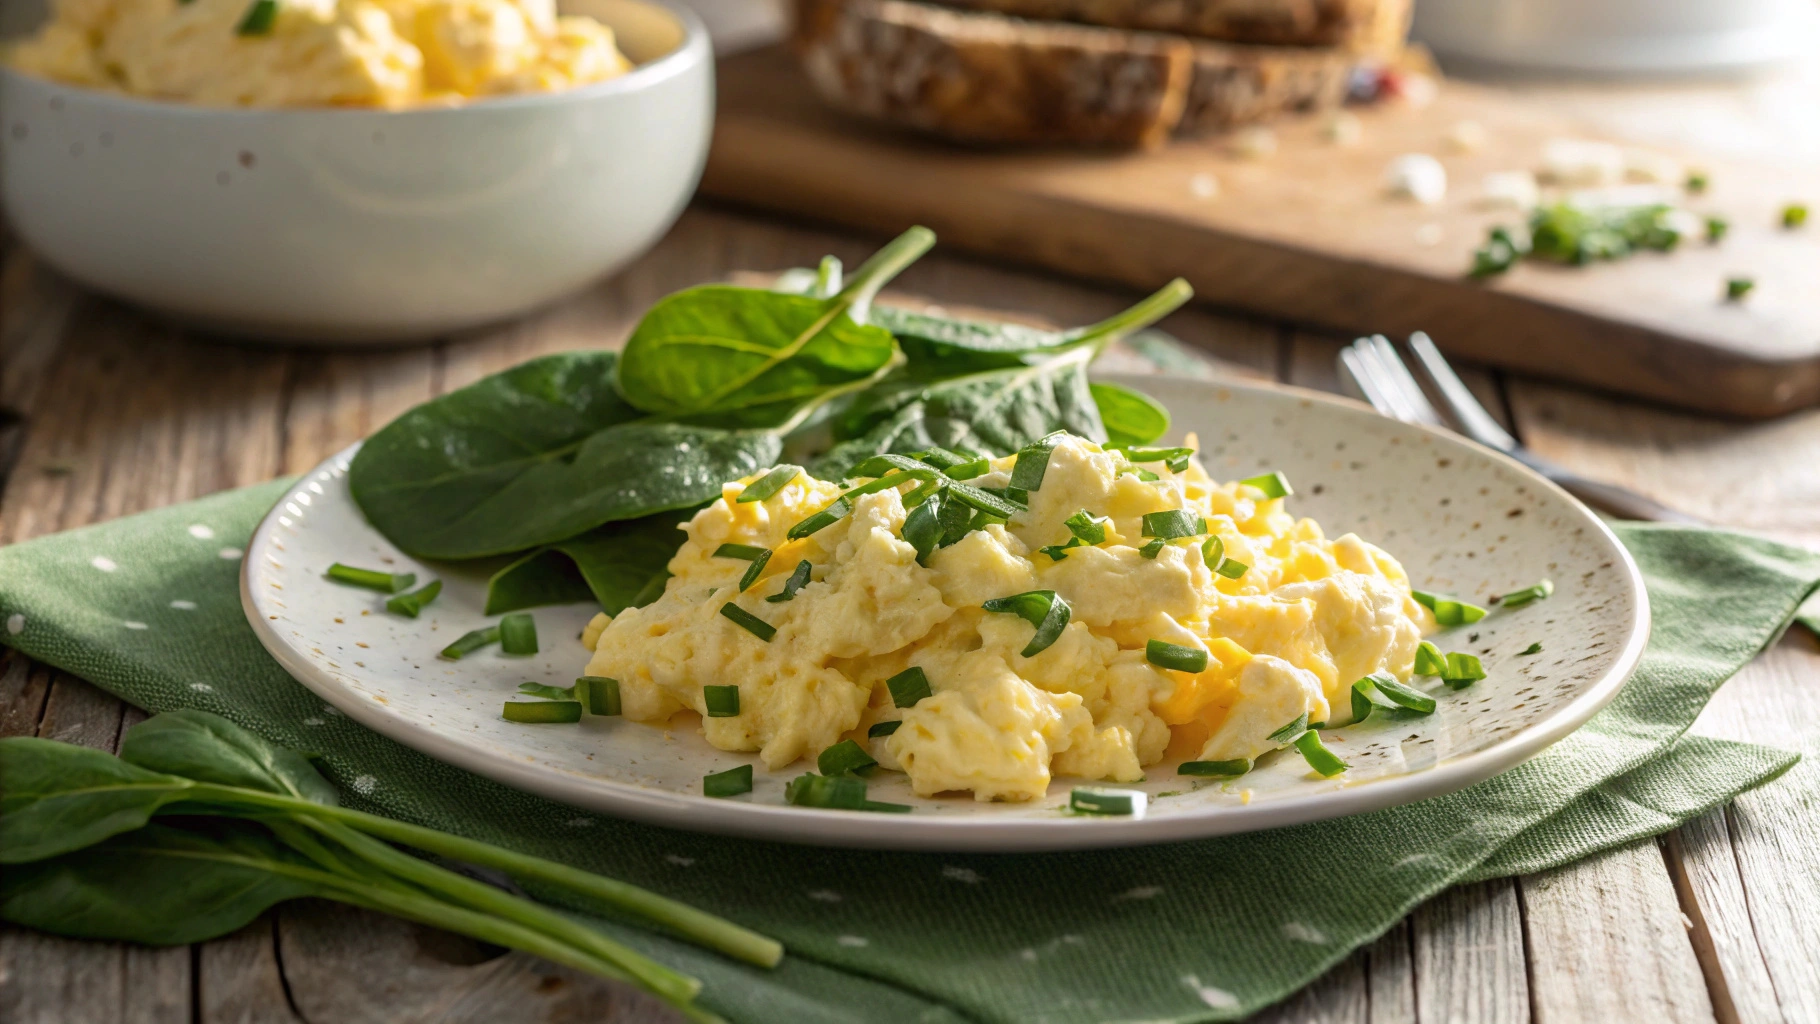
{"x": 317, "y": 53}
{"x": 1306, "y": 618}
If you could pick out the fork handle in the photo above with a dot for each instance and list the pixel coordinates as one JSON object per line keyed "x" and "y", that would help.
{"x": 1612, "y": 499}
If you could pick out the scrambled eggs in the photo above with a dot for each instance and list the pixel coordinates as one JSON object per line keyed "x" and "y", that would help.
{"x": 1286, "y": 638}
{"x": 304, "y": 53}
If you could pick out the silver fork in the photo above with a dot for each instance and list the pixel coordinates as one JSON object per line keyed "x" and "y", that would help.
{"x": 1379, "y": 376}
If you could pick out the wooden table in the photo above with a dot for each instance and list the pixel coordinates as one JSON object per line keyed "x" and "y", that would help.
{"x": 112, "y": 413}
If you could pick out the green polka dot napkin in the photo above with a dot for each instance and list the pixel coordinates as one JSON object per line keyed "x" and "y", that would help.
{"x": 148, "y": 608}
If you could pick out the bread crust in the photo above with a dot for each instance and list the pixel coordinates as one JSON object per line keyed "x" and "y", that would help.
{"x": 1370, "y": 26}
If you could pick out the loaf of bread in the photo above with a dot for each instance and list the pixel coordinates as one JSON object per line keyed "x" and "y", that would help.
{"x": 1358, "y": 25}
{"x": 989, "y": 78}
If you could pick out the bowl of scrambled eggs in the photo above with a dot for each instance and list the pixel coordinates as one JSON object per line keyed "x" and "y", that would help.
{"x": 351, "y": 170}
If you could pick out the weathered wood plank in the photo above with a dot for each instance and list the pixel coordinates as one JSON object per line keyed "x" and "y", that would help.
{"x": 1341, "y": 996}
{"x": 1708, "y": 884}
{"x": 238, "y": 978}
{"x": 1390, "y": 977}
{"x": 336, "y": 399}
{"x": 1469, "y": 960}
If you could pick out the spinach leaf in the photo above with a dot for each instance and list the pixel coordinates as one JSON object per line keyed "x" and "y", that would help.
{"x": 719, "y": 349}
{"x": 160, "y": 885}
{"x": 1131, "y": 417}
{"x": 60, "y": 797}
{"x": 612, "y": 565}
{"x": 208, "y": 748}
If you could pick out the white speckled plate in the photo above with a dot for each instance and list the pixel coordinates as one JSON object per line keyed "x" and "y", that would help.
{"x": 1461, "y": 518}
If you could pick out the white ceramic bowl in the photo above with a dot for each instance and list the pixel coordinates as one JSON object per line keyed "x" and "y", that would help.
{"x": 363, "y": 225}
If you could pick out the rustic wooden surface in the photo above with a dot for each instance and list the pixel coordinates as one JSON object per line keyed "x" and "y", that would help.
{"x": 107, "y": 413}
{"x": 1308, "y": 234}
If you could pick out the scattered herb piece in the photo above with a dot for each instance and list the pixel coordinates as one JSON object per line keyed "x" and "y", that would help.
{"x": 259, "y": 18}
{"x": 991, "y": 504}
{"x": 845, "y": 758}
{"x": 1500, "y": 252}
{"x": 1121, "y": 802}
{"x": 1448, "y": 611}
{"x": 908, "y": 687}
{"x": 969, "y": 470}
{"x": 731, "y": 782}
{"x": 1535, "y": 648}
{"x": 1173, "y": 524}
{"x": 754, "y": 571}
{"x": 1140, "y": 472}
{"x": 543, "y": 711}
{"x": 796, "y": 581}
{"x": 1274, "y": 485}
{"x": 1528, "y": 595}
{"x": 1232, "y": 569}
{"x": 1696, "y": 182}
{"x": 1152, "y": 548}
{"x": 883, "y": 729}
{"x": 1736, "y": 288}
{"x": 1404, "y": 696}
{"x": 744, "y": 552}
{"x": 1177, "y": 657}
{"x": 470, "y": 642}
{"x": 837, "y": 510}
{"x": 1429, "y": 660}
{"x": 924, "y": 529}
{"x": 1290, "y": 731}
{"x": 1213, "y": 551}
{"x": 547, "y": 692}
{"x": 1086, "y": 528}
{"x": 1318, "y": 756}
{"x": 838, "y": 792}
{"x": 1716, "y": 227}
{"x": 749, "y": 622}
{"x": 518, "y": 634}
{"x": 1137, "y": 453}
{"x": 411, "y": 604}
{"x": 721, "y": 701}
{"x": 372, "y": 579}
{"x": 1033, "y": 462}
{"x": 1463, "y": 670}
{"x": 1215, "y": 769}
{"x": 1576, "y": 235}
{"x": 1060, "y": 551}
{"x": 767, "y": 486}
{"x": 599, "y": 695}
{"x": 1794, "y": 215}
{"x": 1044, "y": 609}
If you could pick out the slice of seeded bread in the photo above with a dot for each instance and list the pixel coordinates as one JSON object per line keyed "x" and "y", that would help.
{"x": 1374, "y": 26}
{"x": 988, "y": 78}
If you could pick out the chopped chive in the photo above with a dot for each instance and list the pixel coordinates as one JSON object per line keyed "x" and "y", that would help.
{"x": 1060, "y": 551}
{"x": 518, "y": 634}
{"x": 259, "y": 18}
{"x": 908, "y": 687}
{"x": 1178, "y": 465}
{"x": 731, "y": 782}
{"x": 1736, "y": 288}
{"x": 1318, "y": 756}
{"x": 749, "y": 622}
{"x": 1232, "y": 568}
{"x": 1124, "y": 802}
{"x": 969, "y": 470}
{"x": 834, "y": 513}
{"x": 599, "y": 694}
{"x": 1448, "y": 611}
{"x": 470, "y": 642}
{"x": 1535, "y": 648}
{"x": 845, "y": 758}
{"x": 1429, "y": 660}
{"x": 1044, "y": 609}
{"x": 885, "y": 465}
{"x": 840, "y": 792}
{"x": 1362, "y": 704}
{"x": 1215, "y": 769}
{"x": 547, "y": 692}
{"x": 1716, "y": 227}
{"x": 1794, "y": 215}
{"x": 1178, "y": 657}
{"x": 1152, "y": 549}
{"x": 955, "y": 518}
{"x": 880, "y": 729}
{"x": 1033, "y": 462}
{"x": 928, "y": 478}
{"x": 881, "y": 807}
{"x": 563, "y": 711}
{"x": 754, "y": 571}
{"x": 981, "y": 520}
{"x": 1290, "y": 731}
{"x": 1696, "y": 182}
{"x": 1407, "y": 697}
{"x": 1213, "y": 551}
{"x": 1173, "y": 524}
{"x": 923, "y": 527}
{"x": 1086, "y": 528}
{"x": 991, "y": 504}
{"x": 941, "y": 458}
{"x": 721, "y": 701}
{"x": 409, "y": 605}
{"x": 372, "y": 579}
{"x": 1463, "y": 670}
{"x": 744, "y": 552}
{"x": 1017, "y": 496}
{"x": 1274, "y": 485}
{"x": 797, "y": 581}
{"x": 1143, "y": 454}
{"x": 767, "y": 486}
{"x": 1528, "y": 595}
{"x": 1140, "y": 472}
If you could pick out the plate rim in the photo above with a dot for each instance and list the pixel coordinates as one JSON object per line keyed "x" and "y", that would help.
{"x": 830, "y": 828}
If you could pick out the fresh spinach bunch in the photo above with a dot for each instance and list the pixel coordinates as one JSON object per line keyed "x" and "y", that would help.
{"x": 580, "y": 465}
{"x": 199, "y": 826}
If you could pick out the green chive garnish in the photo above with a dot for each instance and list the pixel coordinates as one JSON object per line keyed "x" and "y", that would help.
{"x": 1044, "y": 609}
{"x": 749, "y": 622}
{"x": 1213, "y": 552}
{"x": 1535, "y": 648}
{"x": 981, "y": 520}
{"x": 924, "y": 529}
{"x": 1362, "y": 693}
{"x": 744, "y": 552}
{"x": 541, "y": 711}
{"x": 1716, "y": 227}
{"x": 880, "y": 729}
{"x": 1528, "y": 595}
{"x": 731, "y": 782}
{"x": 1232, "y": 568}
{"x": 1449, "y": 611}
{"x": 1033, "y": 462}
{"x": 1087, "y": 800}
{"x": 1152, "y": 549}
{"x": 1429, "y": 660}
{"x": 1274, "y": 485}
{"x": 753, "y": 571}
{"x": 908, "y": 687}
{"x": 1060, "y": 551}
{"x": 1215, "y": 769}
{"x": 797, "y": 581}
{"x": 721, "y": 701}
{"x": 1143, "y": 454}
{"x": 1318, "y": 756}
{"x": 409, "y": 605}
{"x": 546, "y": 691}
{"x": 969, "y": 470}
{"x": 1463, "y": 670}
{"x": 943, "y": 459}
{"x": 1140, "y": 472}
{"x": 991, "y": 504}
{"x": 1175, "y": 656}
{"x": 1403, "y": 696}
{"x": 1736, "y": 288}
{"x": 518, "y": 634}
{"x": 884, "y": 465}
{"x": 599, "y": 693}
{"x": 1173, "y": 524}
{"x": 845, "y": 758}
{"x": 1696, "y": 182}
{"x": 258, "y": 20}
{"x": 1794, "y": 215}
{"x": 760, "y": 489}
{"x": 1086, "y": 528}
{"x": 1290, "y": 731}
{"x": 834, "y": 513}
{"x": 372, "y": 579}
{"x": 839, "y": 792}
{"x": 470, "y": 642}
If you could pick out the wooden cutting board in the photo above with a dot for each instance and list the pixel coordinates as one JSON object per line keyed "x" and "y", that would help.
{"x": 1310, "y": 235}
